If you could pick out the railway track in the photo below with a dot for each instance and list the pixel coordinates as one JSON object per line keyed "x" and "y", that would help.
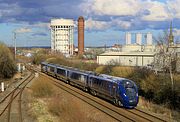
{"x": 7, "y": 102}
{"x": 119, "y": 114}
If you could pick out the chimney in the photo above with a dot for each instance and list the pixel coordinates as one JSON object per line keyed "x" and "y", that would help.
{"x": 80, "y": 35}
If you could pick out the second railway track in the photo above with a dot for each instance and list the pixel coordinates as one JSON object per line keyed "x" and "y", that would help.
{"x": 10, "y": 98}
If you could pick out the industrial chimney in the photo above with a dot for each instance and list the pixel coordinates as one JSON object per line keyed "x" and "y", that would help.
{"x": 80, "y": 35}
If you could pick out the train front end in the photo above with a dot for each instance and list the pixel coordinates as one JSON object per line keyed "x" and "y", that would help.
{"x": 128, "y": 93}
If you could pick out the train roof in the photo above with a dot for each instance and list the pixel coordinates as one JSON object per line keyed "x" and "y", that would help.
{"x": 113, "y": 78}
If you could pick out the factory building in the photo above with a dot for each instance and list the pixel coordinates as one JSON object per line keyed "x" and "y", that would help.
{"x": 62, "y": 36}
{"x": 80, "y": 35}
{"x": 126, "y": 58}
{"x": 131, "y": 54}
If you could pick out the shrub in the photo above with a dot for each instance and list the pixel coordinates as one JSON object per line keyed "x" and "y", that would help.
{"x": 42, "y": 88}
{"x": 55, "y": 106}
{"x": 67, "y": 109}
{"x": 7, "y": 62}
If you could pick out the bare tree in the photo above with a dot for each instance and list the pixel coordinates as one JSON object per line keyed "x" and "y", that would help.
{"x": 165, "y": 58}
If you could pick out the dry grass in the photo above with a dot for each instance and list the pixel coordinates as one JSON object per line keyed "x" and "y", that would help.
{"x": 42, "y": 88}
{"x": 99, "y": 69}
{"x": 161, "y": 110}
{"x": 122, "y": 71}
{"x": 68, "y": 109}
{"x": 118, "y": 71}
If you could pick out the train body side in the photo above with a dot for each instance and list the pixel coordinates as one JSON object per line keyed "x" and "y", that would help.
{"x": 121, "y": 91}
{"x": 78, "y": 78}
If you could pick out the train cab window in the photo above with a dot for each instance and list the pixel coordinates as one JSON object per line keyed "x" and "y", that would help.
{"x": 127, "y": 84}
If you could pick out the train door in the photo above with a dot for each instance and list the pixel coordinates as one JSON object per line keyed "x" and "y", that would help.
{"x": 113, "y": 89}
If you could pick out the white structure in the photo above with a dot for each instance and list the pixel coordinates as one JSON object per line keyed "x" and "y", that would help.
{"x": 128, "y": 38}
{"x": 62, "y": 36}
{"x": 136, "y": 54}
{"x": 139, "y": 38}
{"x": 149, "y": 38}
{"x": 126, "y": 58}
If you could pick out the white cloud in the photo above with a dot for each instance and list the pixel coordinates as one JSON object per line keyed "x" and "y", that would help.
{"x": 23, "y": 30}
{"x": 176, "y": 32}
{"x": 157, "y": 11}
{"x": 121, "y": 24}
{"x": 147, "y": 10}
{"x": 91, "y": 24}
{"x": 112, "y": 7}
{"x": 42, "y": 25}
{"x": 96, "y": 25}
{"x": 174, "y": 7}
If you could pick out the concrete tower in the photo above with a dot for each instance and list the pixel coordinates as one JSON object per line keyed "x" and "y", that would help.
{"x": 62, "y": 36}
{"x": 80, "y": 35}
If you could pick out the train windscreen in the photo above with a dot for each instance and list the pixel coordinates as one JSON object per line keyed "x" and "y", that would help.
{"x": 130, "y": 90}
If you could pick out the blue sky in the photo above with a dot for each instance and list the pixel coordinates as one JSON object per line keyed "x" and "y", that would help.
{"x": 106, "y": 20}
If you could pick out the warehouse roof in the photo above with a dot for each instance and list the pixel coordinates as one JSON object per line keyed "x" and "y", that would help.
{"x": 128, "y": 54}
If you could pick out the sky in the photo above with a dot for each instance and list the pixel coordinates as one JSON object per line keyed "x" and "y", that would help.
{"x": 106, "y": 21}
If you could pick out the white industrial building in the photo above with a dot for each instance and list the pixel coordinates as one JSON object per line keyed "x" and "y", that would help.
{"x": 136, "y": 54}
{"x": 62, "y": 36}
{"x": 126, "y": 58}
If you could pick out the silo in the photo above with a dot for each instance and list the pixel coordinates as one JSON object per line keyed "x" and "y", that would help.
{"x": 80, "y": 35}
{"x": 128, "y": 38}
{"x": 149, "y": 38}
{"x": 138, "y": 38}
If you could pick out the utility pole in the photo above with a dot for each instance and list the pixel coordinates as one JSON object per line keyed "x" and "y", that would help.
{"x": 14, "y": 34}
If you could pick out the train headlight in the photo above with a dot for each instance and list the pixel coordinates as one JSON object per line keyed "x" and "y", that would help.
{"x": 137, "y": 94}
{"x": 124, "y": 94}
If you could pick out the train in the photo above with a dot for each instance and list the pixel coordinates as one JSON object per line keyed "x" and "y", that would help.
{"x": 120, "y": 91}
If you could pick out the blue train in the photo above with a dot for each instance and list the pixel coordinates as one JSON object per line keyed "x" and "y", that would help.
{"x": 121, "y": 91}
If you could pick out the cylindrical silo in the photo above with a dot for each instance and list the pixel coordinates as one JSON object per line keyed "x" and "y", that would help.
{"x": 149, "y": 38}
{"x": 80, "y": 35}
{"x": 138, "y": 38}
{"x": 128, "y": 38}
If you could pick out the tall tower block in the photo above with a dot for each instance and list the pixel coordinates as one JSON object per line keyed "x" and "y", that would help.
{"x": 80, "y": 35}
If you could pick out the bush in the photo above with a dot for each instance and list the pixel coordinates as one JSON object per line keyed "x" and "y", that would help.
{"x": 67, "y": 109}
{"x": 42, "y": 88}
{"x": 55, "y": 106}
{"x": 7, "y": 62}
